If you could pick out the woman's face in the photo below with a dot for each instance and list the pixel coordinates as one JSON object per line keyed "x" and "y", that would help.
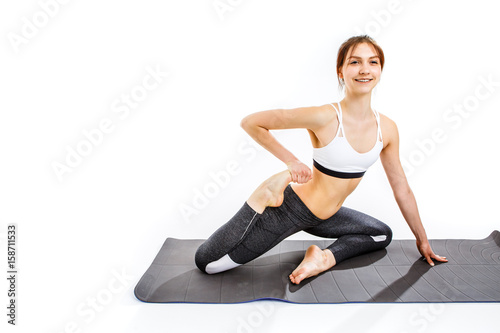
{"x": 361, "y": 70}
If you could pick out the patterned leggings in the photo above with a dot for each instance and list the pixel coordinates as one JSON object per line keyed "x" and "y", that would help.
{"x": 248, "y": 234}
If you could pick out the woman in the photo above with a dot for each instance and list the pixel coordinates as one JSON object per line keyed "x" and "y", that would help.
{"x": 347, "y": 138}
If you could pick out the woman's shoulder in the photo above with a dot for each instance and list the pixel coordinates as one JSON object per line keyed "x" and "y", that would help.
{"x": 321, "y": 114}
{"x": 385, "y": 120}
{"x": 325, "y": 111}
{"x": 388, "y": 126}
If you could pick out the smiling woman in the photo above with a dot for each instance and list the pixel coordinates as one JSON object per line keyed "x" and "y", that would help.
{"x": 368, "y": 46}
{"x": 347, "y": 139}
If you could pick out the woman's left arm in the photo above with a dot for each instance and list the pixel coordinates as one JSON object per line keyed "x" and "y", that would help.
{"x": 401, "y": 189}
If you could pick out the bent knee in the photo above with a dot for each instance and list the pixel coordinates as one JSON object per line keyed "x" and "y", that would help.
{"x": 384, "y": 236}
{"x": 388, "y": 233}
{"x": 210, "y": 266}
{"x": 223, "y": 264}
{"x": 201, "y": 258}
{"x": 205, "y": 261}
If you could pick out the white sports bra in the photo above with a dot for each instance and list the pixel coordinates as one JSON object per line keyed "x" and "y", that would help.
{"x": 339, "y": 159}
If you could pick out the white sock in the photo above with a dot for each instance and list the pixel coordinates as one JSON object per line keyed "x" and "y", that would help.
{"x": 223, "y": 264}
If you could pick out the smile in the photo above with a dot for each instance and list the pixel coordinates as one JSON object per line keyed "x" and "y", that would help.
{"x": 363, "y": 80}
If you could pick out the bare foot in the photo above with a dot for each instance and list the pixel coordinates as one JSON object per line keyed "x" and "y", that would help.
{"x": 270, "y": 192}
{"x": 315, "y": 261}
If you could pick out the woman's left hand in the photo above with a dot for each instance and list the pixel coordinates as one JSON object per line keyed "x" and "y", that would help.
{"x": 299, "y": 172}
{"x": 426, "y": 251}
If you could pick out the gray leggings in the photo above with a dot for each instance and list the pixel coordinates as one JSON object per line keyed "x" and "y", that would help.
{"x": 248, "y": 234}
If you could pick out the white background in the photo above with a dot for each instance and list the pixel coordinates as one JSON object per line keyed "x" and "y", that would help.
{"x": 112, "y": 212}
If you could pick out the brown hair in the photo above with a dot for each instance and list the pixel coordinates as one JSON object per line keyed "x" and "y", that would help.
{"x": 353, "y": 42}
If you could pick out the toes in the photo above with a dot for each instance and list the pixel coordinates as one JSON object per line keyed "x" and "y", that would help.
{"x": 300, "y": 278}
{"x": 296, "y": 276}
{"x": 295, "y": 280}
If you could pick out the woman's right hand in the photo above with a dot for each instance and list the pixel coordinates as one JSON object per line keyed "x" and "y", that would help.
{"x": 299, "y": 171}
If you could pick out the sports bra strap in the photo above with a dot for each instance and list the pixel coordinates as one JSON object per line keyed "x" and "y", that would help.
{"x": 379, "y": 129}
{"x": 339, "y": 116}
{"x": 341, "y": 127}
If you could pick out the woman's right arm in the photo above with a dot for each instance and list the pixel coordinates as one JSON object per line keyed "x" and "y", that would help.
{"x": 258, "y": 124}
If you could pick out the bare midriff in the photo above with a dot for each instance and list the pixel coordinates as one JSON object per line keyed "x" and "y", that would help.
{"x": 323, "y": 194}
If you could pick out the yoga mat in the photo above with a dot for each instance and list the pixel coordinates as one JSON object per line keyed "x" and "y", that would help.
{"x": 395, "y": 274}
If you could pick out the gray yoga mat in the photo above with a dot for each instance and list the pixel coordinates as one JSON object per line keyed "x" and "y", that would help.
{"x": 395, "y": 274}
